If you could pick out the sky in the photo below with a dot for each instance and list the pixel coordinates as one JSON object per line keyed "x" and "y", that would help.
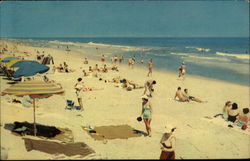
{"x": 124, "y": 19}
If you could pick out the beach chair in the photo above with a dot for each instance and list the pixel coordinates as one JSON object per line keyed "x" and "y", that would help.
{"x": 69, "y": 104}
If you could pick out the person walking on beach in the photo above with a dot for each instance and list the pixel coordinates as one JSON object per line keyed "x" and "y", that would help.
{"x": 179, "y": 95}
{"x": 80, "y": 87}
{"x": 149, "y": 87}
{"x": 146, "y": 113}
{"x": 150, "y": 66}
{"x": 168, "y": 142}
{"x": 182, "y": 70}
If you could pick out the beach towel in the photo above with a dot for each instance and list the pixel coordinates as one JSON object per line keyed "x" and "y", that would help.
{"x": 69, "y": 149}
{"x": 113, "y": 132}
{"x": 25, "y": 128}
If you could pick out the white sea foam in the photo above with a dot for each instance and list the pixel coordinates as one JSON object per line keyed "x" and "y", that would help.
{"x": 239, "y": 56}
{"x": 208, "y": 58}
{"x": 124, "y": 48}
{"x": 199, "y": 49}
{"x": 159, "y": 55}
{"x": 240, "y": 68}
{"x": 65, "y": 43}
{"x": 202, "y": 49}
{"x": 185, "y": 54}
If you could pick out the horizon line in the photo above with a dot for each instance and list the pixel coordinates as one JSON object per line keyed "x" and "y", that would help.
{"x": 132, "y": 37}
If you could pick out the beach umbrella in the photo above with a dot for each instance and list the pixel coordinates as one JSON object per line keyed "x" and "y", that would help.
{"x": 10, "y": 63}
{"x": 28, "y": 68}
{"x": 5, "y": 60}
{"x": 35, "y": 89}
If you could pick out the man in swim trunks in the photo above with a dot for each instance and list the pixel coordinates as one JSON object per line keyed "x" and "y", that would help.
{"x": 150, "y": 66}
{"x": 180, "y": 95}
{"x": 192, "y": 98}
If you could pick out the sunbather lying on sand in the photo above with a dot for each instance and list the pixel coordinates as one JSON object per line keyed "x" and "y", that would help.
{"x": 104, "y": 69}
{"x": 129, "y": 85}
{"x": 192, "y": 98}
{"x": 115, "y": 80}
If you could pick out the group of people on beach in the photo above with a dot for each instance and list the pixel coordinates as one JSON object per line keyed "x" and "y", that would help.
{"x": 185, "y": 97}
{"x": 234, "y": 116}
{"x": 63, "y": 68}
{"x": 131, "y": 61}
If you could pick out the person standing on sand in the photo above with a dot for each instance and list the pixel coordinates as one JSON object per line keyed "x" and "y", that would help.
{"x": 79, "y": 87}
{"x": 150, "y": 66}
{"x": 146, "y": 113}
{"x": 182, "y": 70}
{"x": 120, "y": 59}
{"x": 103, "y": 59}
{"x": 168, "y": 142}
{"x": 180, "y": 96}
{"x": 115, "y": 59}
{"x": 129, "y": 62}
{"x": 149, "y": 87}
{"x": 142, "y": 60}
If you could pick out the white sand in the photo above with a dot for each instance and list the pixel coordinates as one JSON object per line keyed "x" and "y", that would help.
{"x": 197, "y": 137}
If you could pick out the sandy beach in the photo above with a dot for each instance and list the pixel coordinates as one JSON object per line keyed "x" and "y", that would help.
{"x": 197, "y": 136}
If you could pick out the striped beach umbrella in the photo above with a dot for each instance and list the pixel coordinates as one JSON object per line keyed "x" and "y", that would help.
{"x": 35, "y": 89}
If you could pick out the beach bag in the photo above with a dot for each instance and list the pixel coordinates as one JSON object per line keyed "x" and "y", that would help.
{"x": 244, "y": 127}
{"x": 139, "y": 118}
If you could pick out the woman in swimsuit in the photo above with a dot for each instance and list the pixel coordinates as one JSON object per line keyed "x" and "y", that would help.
{"x": 233, "y": 113}
{"x": 79, "y": 87}
{"x": 146, "y": 113}
{"x": 168, "y": 144}
{"x": 103, "y": 58}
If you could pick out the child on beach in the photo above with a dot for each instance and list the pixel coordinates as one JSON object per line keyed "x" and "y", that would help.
{"x": 168, "y": 144}
{"x": 146, "y": 113}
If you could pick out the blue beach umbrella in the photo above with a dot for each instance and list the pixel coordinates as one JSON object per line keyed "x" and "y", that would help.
{"x": 5, "y": 60}
{"x": 29, "y": 68}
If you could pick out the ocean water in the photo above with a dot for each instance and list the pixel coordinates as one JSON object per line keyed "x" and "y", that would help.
{"x": 219, "y": 58}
